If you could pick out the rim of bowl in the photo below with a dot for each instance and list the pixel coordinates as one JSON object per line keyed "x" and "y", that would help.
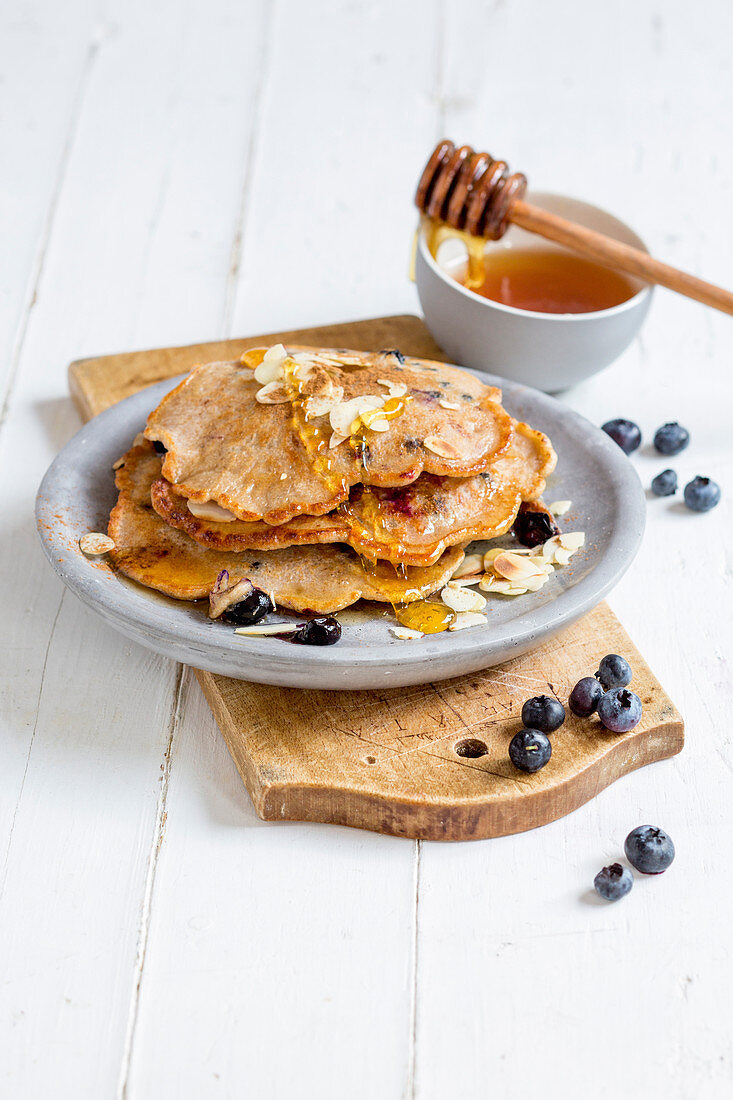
{"x": 491, "y": 303}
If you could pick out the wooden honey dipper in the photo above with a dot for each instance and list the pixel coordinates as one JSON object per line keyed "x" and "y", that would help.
{"x": 472, "y": 192}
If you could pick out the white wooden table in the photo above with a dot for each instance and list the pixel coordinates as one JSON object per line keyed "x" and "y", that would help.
{"x": 175, "y": 172}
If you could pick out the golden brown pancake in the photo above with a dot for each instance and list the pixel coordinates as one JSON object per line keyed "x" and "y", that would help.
{"x": 314, "y": 578}
{"x": 412, "y": 525}
{"x": 260, "y": 462}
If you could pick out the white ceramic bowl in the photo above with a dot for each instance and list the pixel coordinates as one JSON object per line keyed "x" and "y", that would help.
{"x": 549, "y": 351}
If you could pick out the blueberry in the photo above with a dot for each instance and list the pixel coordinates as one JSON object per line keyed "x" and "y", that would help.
{"x": 614, "y": 672}
{"x": 619, "y": 710}
{"x": 613, "y": 882}
{"x": 701, "y": 494}
{"x": 534, "y": 524}
{"x": 649, "y": 849}
{"x": 584, "y": 697}
{"x": 543, "y": 713}
{"x": 325, "y": 630}
{"x": 249, "y": 610}
{"x": 624, "y": 432}
{"x": 160, "y": 448}
{"x": 671, "y": 438}
{"x": 665, "y": 484}
{"x": 529, "y": 750}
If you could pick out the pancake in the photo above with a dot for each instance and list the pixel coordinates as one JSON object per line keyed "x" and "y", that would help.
{"x": 412, "y": 525}
{"x": 316, "y": 578}
{"x": 273, "y": 462}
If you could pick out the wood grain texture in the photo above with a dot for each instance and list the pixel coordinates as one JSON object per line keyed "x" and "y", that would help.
{"x": 392, "y": 761}
{"x": 387, "y": 761}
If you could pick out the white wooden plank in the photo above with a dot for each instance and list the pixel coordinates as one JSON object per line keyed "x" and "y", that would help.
{"x": 37, "y": 127}
{"x": 82, "y": 804}
{"x": 547, "y": 990}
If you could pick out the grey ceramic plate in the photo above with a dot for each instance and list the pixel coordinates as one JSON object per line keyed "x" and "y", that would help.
{"x": 608, "y": 503}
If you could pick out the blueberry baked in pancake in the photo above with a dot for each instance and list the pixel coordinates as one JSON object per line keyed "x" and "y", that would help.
{"x": 321, "y": 477}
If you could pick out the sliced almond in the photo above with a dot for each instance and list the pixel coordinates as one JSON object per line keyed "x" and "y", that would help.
{"x": 442, "y": 447}
{"x": 405, "y": 634}
{"x": 472, "y": 563}
{"x": 446, "y": 404}
{"x": 274, "y": 393}
{"x": 209, "y": 509}
{"x": 466, "y": 619}
{"x": 466, "y": 582}
{"x": 459, "y": 599}
{"x": 559, "y": 507}
{"x": 514, "y": 568}
{"x": 271, "y": 367}
{"x": 562, "y": 557}
{"x": 343, "y": 415}
{"x": 336, "y": 440}
{"x": 572, "y": 540}
{"x": 119, "y": 463}
{"x": 493, "y": 584}
{"x": 266, "y": 628}
{"x": 95, "y": 543}
{"x": 379, "y": 425}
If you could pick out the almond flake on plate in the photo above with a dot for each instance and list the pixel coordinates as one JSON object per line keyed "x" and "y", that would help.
{"x": 515, "y": 568}
{"x": 490, "y": 583}
{"x": 472, "y": 563}
{"x": 559, "y": 507}
{"x": 466, "y": 619}
{"x": 405, "y": 634}
{"x": 95, "y": 543}
{"x": 459, "y": 599}
{"x": 266, "y": 628}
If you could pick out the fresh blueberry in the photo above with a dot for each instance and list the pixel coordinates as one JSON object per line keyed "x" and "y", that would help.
{"x": 614, "y": 672}
{"x": 701, "y": 494}
{"x": 665, "y": 484}
{"x": 613, "y": 882}
{"x": 529, "y": 750}
{"x": 672, "y": 438}
{"x": 649, "y": 849}
{"x": 325, "y": 630}
{"x": 624, "y": 432}
{"x": 249, "y": 610}
{"x": 543, "y": 713}
{"x": 534, "y": 524}
{"x": 584, "y": 697}
{"x": 619, "y": 710}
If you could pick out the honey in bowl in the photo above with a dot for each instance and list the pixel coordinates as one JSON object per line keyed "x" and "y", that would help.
{"x": 546, "y": 281}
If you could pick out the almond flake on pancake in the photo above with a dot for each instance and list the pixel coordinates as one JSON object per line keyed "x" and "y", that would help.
{"x": 210, "y": 510}
{"x": 274, "y": 393}
{"x": 442, "y": 447}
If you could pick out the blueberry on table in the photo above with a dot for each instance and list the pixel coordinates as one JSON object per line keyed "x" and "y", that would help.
{"x": 529, "y": 750}
{"x": 249, "y": 610}
{"x": 624, "y": 432}
{"x": 649, "y": 849}
{"x": 671, "y": 438}
{"x": 325, "y": 630}
{"x": 614, "y": 671}
{"x": 585, "y": 696}
{"x": 613, "y": 882}
{"x": 665, "y": 484}
{"x": 619, "y": 710}
{"x": 544, "y": 713}
{"x": 701, "y": 494}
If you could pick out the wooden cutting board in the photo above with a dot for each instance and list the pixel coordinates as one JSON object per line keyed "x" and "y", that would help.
{"x": 431, "y": 761}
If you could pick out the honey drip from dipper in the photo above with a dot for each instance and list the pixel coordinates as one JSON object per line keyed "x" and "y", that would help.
{"x": 428, "y": 616}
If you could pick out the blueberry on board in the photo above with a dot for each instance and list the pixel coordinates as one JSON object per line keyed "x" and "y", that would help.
{"x": 324, "y": 630}
{"x": 671, "y": 438}
{"x": 619, "y": 710}
{"x": 613, "y": 882}
{"x": 649, "y": 849}
{"x": 249, "y": 610}
{"x": 584, "y": 697}
{"x": 624, "y": 432}
{"x": 701, "y": 494}
{"x": 614, "y": 671}
{"x": 529, "y": 750}
{"x": 543, "y": 713}
{"x": 665, "y": 484}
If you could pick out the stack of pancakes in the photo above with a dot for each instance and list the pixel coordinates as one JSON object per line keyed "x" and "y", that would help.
{"x": 321, "y": 476}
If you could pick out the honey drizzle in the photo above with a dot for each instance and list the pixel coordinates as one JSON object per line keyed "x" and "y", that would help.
{"x": 434, "y": 617}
